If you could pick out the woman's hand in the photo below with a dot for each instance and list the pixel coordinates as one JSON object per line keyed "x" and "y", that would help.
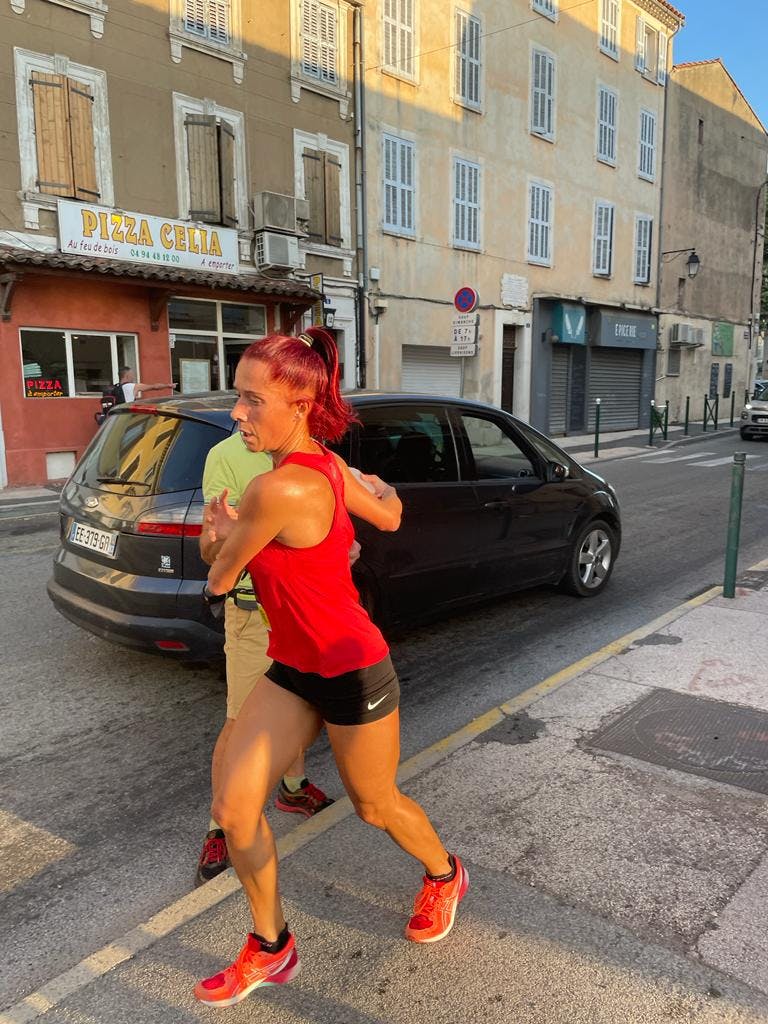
{"x": 377, "y": 485}
{"x": 219, "y": 518}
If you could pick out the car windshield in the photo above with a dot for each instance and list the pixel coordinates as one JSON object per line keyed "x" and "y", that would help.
{"x": 761, "y": 393}
{"x": 151, "y": 453}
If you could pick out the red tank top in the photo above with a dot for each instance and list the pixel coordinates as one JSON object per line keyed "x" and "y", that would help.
{"x": 317, "y": 622}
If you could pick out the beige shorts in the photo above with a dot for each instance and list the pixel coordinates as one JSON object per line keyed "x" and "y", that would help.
{"x": 246, "y": 639}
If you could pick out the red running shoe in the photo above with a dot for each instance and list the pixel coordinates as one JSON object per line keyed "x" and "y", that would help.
{"x": 435, "y": 907}
{"x": 214, "y": 857}
{"x": 308, "y": 800}
{"x": 252, "y": 968}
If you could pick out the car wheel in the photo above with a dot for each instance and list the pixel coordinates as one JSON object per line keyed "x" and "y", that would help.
{"x": 745, "y": 435}
{"x": 591, "y": 560}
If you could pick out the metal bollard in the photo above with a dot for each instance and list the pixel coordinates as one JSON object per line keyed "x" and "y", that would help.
{"x": 597, "y": 426}
{"x": 666, "y": 419}
{"x": 687, "y": 413}
{"x": 717, "y": 409}
{"x": 650, "y": 429}
{"x": 706, "y": 412}
{"x": 734, "y": 524}
{"x": 733, "y": 405}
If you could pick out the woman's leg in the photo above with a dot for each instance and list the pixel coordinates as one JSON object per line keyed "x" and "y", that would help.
{"x": 271, "y": 729}
{"x": 367, "y": 758}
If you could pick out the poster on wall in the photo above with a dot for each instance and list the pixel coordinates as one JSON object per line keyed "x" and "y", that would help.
{"x": 195, "y": 375}
{"x": 722, "y": 339}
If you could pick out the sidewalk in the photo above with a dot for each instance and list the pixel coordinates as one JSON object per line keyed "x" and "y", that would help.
{"x": 630, "y": 442}
{"x": 619, "y": 869}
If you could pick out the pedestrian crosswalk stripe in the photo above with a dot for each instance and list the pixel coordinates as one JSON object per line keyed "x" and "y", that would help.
{"x": 720, "y": 462}
{"x": 680, "y": 458}
{"x": 662, "y": 453}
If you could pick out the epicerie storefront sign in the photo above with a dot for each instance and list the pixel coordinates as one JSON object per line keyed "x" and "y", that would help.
{"x": 108, "y": 234}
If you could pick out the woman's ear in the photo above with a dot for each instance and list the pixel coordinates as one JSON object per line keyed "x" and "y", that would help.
{"x": 303, "y": 407}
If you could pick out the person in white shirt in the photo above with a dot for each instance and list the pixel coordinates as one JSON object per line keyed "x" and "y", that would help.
{"x": 132, "y": 389}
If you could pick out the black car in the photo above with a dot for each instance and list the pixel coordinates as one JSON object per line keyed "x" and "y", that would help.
{"x": 490, "y": 506}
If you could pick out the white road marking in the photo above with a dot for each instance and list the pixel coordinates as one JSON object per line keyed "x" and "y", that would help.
{"x": 721, "y": 462}
{"x": 662, "y": 452}
{"x": 681, "y": 458}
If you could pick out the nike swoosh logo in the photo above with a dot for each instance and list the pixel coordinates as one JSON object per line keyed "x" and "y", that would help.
{"x": 377, "y": 702}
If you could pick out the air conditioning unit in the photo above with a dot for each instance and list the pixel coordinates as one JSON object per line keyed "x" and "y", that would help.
{"x": 278, "y": 251}
{"x": 274, "y": 212}
{"x": 680, "y": 334}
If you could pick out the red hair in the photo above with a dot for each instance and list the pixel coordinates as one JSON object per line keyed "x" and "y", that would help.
{"x": 312, "y": 369}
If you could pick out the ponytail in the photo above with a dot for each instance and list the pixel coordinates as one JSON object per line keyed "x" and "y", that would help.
{"x": 308, "y": 363}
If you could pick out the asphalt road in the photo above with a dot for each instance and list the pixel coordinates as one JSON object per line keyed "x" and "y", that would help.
{"x": 105, "y": 753}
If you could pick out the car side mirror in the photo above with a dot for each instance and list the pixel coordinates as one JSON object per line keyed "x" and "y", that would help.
{"x": 556, "y": 471}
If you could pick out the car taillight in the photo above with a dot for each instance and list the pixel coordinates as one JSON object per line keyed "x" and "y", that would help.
{"x": 173, "y": 521}
{"x": 171, "y": 645}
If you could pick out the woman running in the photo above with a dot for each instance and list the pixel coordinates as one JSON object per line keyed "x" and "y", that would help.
{"x": 331, "y": 664}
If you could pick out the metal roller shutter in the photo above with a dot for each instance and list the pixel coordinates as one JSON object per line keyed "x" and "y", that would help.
{"x": 430, "y": 370}
{"x": 558, "y": 389}
{"x": 615, "y": 377}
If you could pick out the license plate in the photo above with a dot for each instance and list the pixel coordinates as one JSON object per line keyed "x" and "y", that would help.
{"x": 95, "y": 540}
{"x": 761, "y": 419}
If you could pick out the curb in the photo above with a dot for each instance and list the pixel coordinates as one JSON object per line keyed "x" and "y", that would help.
{"x": 197, "y": 902}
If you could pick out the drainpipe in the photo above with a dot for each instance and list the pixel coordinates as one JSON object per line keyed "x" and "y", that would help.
{"x": 360, "y": 194}
{"x": 754, "y": 308}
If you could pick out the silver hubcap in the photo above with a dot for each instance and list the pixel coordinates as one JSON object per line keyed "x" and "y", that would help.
{"x": 594, "y": 559}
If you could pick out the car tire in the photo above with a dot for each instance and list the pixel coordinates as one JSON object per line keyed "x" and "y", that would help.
{"x": 590, "y": 563}
{"x": 745, "y": 435}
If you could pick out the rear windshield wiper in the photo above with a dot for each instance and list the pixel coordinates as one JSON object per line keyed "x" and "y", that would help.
{"x": 121, "y": 480}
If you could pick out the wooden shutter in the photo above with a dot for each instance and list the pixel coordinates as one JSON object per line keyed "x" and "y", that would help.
{"x": 314, "y": 191}
{"x": 227, "y": 174}
{"x": 80, "y": 97}
{"x": 203, "y": 161}
{"x": 332, "y": 199}
{"x": 54, "y": 156}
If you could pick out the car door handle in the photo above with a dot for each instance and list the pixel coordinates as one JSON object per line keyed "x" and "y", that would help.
{"x": 497, "y": 506}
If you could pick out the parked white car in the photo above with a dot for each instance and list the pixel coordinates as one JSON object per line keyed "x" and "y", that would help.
{"x": 754, "y": 416}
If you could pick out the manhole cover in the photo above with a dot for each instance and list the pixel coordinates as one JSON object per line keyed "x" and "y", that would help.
{"x": 703, "y": 737}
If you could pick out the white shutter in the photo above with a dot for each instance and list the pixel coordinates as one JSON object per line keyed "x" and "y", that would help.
{"x": 399, "y": 186}
{"x": 661, "y": 72}
{"x": 468, "y": 32}
{"x": 606, "y": 124}
{"x": 647, "y": 161}
{"x": 328, "y": 44}
{"x": 430, "y": 370}
{"x": 398, "y": 24}
{"x": 609, "y": 27}
{"x": 466, "y": 203}
{"x": 546, "y": 7}
{"x": 603, "y": 242}
{"x": 643, "y": 239}
{"x": 639, "y": 44}
{"x": 310, "y": 38}
{"x": 542, "y": 93}
{"x": 194, "y": 16}
{"x": 539, "y": 223}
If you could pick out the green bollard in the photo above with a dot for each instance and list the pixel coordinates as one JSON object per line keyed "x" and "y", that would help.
{"x": 717, "y": 409}
{"x": 687, "y": 414}
{"x": 666, "y": 419}
{"x": 597, "y": 426}
{"x": 733, "y": 405}
{"x": 650, "y": 428}
{"x": 734, "y": 524}
{"x": 706, "y": 410}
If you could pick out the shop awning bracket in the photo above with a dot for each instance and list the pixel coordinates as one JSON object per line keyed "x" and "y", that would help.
{"x": 292, "y": 317}
{"x": 7, "y": 284}
{"x": 158, "y": 302}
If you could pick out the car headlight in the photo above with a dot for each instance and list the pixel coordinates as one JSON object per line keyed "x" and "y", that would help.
{"x": 747, "y": 408}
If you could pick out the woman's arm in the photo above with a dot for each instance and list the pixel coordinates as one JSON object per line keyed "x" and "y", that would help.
{"x": 262, "y": 514}
{"x": 382, "y": 509}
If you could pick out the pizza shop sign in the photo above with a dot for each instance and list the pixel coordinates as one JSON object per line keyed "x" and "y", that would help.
{"x": 99, "y": 231}
{"x": 43, "y": 387}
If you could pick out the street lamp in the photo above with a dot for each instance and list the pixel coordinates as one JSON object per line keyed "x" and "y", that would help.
{"x": 693, "y": 263}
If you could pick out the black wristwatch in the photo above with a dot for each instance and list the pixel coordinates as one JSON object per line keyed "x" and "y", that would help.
{"x": 214, "y": 601}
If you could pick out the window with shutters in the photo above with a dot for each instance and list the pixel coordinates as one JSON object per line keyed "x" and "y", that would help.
{"x": 610, "y": 15}
{"x": 321, "y": 176}
{"x": 546, "y": 7}
{"x": 468, "y": 69}
{"x": 673, "y": 362}
{"x": 399, "y": 185}
{"x": 210, "y": 162}
{"x": 650, "y": 51}
{"x": 95, "y": 10}
{"x": 543, "y": 94}
{"x": 466, "y": 204}
{"x": 399, "y": 36}
{"x": 212, "y": 26}
{"x": 540, "y": 209}
{"x": 602, "y": 246}
{"x": 63, "y": 133}
{"x": 642, "y": 255}
{"x": 647, "y": 150}
{"x": 607, "y": 111}
{"x": 318, "y": 48}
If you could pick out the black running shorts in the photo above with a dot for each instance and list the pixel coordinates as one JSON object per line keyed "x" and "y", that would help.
{"x": 354, "y": 698}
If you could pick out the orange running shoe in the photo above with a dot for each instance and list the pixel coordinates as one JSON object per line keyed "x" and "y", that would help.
{"x": 252, "y": 968}
{"x": 435, "y": 907}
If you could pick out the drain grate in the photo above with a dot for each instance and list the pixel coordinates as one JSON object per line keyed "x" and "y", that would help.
{"x": 753, "y": 579}
{"x": 703, "y": 737}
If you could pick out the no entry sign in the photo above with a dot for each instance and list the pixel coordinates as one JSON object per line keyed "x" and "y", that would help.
{"x": 465, "y": 299}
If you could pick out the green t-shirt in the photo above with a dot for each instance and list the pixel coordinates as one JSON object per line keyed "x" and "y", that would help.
{"x": 229, "y": 464}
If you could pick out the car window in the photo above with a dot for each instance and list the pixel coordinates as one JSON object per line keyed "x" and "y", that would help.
{"x": 546, "y": 448}
{"x": 160, "y": 453}
{"x": 496, "y": 453}
{"x": 407, "y": 445}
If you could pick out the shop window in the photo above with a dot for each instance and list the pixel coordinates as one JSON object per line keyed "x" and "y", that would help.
{"x": 62, "y": 364}
{"x": 207, "y": 340}
{"x": 212, "y": 26}
{"x": 321, "y": 168}
{"x": 190, "y": 315}
{"x": 195, "y": 364}
{"x": 210, "y": 151}
{"x": 237, "y": 319}
{"x": 63, "y": 133}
